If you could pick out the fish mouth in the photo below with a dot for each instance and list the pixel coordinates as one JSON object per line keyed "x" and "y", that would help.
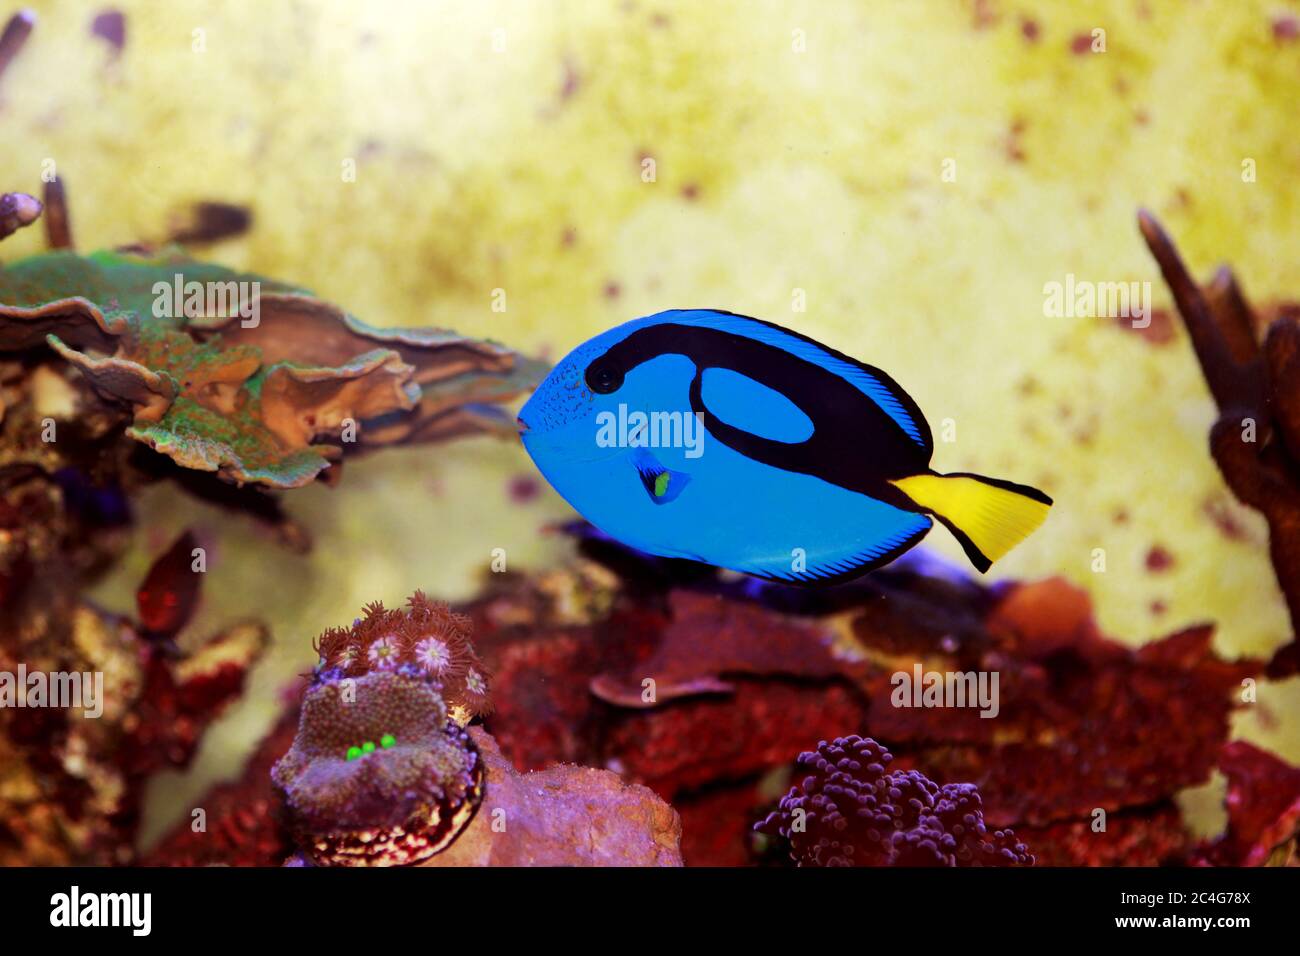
{"x": 521, "y": 425}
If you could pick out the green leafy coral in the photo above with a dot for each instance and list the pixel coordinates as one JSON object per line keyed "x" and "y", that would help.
{"x": 270, "y": 396}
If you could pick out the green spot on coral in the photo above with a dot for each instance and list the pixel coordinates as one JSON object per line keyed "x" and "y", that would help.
{"x": 354, "y": 753}
{"x": 386, "y": 741}
{"x": 368, "y": 747}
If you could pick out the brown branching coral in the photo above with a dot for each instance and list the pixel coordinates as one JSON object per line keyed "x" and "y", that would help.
{"x": 426, "y": 637}
{"x": 1255, "y": 382}
{"x": 71, "y": 785}
{"x": 16, "y": 31}
{"x": 58, "y": 224}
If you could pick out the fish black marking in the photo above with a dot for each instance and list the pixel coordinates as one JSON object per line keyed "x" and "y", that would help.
{"x": 855, "y": 443}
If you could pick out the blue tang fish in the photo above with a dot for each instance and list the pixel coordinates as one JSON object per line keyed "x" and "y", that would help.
{"x": 717, "y": 437}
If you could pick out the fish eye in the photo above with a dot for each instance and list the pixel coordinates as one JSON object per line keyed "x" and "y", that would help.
{"x": 603, "y": 377}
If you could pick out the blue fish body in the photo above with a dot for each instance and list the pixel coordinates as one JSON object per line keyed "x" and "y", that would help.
{"x": 724, "y": 439}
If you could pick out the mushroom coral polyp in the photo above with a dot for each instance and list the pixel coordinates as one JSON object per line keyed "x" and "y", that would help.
{"x": 382, "y": 771}
{"x": 395, "y": 803}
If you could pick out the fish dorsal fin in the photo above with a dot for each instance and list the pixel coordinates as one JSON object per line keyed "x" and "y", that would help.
{"x": 871, "y": 381}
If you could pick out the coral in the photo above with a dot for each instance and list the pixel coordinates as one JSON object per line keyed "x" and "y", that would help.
{"x": 242, "y": 825}
{"x": 1095, "y": 724}
{"x": 1143, "y": 836}
{"x": 749, "y": 672}
{"x": 71, "y": 786}
{"x": 564, "y": 816}
{"x": 454, "y": 374}
{"x": 1085, "y": 723}
{"x": 166, "y": 599}
{"x": 16, "y": 211}
{"x": 91, "y": 370}
{"x": 378, "y": 775}
{"x": 1255, "y": 381}
{"x": 743, "y": 639}
{"x": 16, "y": 31}
{"x": 849, "y": 810}
{"x": 427, "y": 638}
{"x": 251, "y": 379}
{"x": 1263, "y": 811}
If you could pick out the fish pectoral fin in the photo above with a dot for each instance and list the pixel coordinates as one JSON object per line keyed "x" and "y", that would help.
{"x": 661, "y": 484}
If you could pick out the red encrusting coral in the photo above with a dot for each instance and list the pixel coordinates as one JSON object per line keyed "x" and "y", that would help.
{"x": 1120, "y": 730}
{"x": 1263, "y": 806}
{"x": 241, "y": 824}
{"x": 850, "y": 810}
{"x": 749, "y": 674}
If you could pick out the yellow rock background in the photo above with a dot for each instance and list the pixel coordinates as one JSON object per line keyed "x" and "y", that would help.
{"x": 499, "y": 145}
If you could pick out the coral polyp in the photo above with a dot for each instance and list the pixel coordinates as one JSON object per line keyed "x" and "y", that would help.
{"x": 847, "y": 810}
{"x": 426, "y": 638}
{"x": 378, "y": 774}
{"x": 355, "y": 753}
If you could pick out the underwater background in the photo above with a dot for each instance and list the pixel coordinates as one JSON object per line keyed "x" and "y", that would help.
{"x": 798, "y": 152}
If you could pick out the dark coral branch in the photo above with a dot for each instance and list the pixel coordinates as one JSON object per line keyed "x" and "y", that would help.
{"x": 58, "y": 228}
{"x": 1256, "y": 440}
{"x": 209, "y": 222}
{"x": 1237, "y": 322}
{"x": 1232, "y": 385}
{"x": 1282, "y": 364}
{"x": 14, "y": 37}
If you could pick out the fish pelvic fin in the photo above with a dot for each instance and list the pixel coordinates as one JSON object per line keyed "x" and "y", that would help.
{"x": 987, "y": 516}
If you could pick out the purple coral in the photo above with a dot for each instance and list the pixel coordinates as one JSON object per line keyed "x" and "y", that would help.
{"x": 378, "y": 774}
{"x": 847, "y": 810}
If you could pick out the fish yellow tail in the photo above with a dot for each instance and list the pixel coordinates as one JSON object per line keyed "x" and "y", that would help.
{"x": 989, "y": 517}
